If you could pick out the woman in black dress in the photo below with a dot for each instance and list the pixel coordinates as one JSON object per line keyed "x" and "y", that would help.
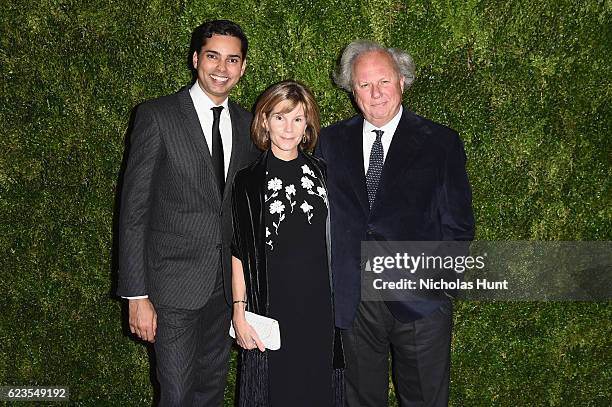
{"x": 280, "y": 265}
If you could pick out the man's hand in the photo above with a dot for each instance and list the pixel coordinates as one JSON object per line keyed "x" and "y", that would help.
{"x": 143, "y": 319}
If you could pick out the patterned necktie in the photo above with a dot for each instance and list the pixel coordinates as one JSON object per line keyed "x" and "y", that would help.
{"x": 375, "y": 167}
{"x": 217, "y": 149}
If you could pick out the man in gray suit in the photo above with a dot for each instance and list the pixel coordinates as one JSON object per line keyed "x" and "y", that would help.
{"x": 175, "y": 219}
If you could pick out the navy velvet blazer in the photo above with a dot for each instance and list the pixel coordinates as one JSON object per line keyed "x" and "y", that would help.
{"x": 423, "y": 195}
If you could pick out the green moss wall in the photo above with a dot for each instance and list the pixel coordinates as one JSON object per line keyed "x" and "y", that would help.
{"x": 525, "y": 82}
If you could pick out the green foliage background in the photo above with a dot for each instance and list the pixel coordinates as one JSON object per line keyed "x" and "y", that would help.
{"x": 525, "y": 82}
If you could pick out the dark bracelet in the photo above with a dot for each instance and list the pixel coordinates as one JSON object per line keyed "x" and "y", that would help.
{"x": 239, "y": 301}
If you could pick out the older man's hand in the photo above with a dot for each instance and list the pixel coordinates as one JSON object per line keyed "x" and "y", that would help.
{"x": 143, "y": 319}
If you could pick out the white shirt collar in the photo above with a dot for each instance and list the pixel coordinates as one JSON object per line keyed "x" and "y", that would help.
{"x": 202, "y": 102}
{"x": 369, "y": 137}
{"x": 389, "y": 128}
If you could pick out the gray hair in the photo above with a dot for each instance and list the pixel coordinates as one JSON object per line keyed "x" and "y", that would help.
{"x": 343, "y": 77}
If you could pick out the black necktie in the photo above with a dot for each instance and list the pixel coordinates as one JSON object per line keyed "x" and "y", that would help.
{"x": 217, "y": 149}
{"x": 375, "y": 166}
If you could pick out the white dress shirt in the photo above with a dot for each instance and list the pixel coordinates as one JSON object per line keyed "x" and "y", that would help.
{"x": 203, "y": 106}
{"x": 369, "y": 137}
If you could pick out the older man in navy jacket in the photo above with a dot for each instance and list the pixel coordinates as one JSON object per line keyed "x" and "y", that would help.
{"x": 394, "y": 176}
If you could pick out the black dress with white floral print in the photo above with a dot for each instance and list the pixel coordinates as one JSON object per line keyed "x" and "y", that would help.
{"x": 300, "y": 298}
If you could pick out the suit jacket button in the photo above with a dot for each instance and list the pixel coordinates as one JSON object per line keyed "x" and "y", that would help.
{"x": 218, "y": 246}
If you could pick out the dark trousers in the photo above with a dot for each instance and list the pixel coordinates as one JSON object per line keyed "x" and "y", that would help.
{"x": 192, "y": 352}
{"x": 421, "y": 357}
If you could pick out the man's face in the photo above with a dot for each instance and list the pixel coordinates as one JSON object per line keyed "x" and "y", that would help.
{"x": 220, "y": 66}
{"x": 377, "y": 87}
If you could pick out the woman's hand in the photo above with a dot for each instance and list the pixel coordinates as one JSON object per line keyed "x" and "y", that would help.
{"x": 246, "y": 337}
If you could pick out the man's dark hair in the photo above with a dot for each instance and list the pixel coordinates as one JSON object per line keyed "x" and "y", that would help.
{"x": 202, "y": 33}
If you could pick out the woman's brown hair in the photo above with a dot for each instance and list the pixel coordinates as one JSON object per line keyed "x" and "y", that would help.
{"x": 295, "y": 93}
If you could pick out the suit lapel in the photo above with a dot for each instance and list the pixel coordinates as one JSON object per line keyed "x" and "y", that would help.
{"x": 404, "y": 147}
{"x": 194, "y": 128}
{"x": 353, "y": 153}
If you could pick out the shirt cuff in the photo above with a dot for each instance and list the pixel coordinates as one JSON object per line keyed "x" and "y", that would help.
{"x": 138, "y": 297}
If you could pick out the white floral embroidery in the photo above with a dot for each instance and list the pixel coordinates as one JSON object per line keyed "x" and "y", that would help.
{"x": 269, "y": 242}
{"x": 277, "y": 207}
{"x": 289, "y": 191}
{"x": 306, "y": 170}
{"x": 307, "y": 183}
{"x": 306, "y": 207}
{"x": 312, "y": 186}
{"x": 321, "y": 193}
{"x": 275, "y": 184}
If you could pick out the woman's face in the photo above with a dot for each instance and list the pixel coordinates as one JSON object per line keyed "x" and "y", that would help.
{"x": 286, "y": 129}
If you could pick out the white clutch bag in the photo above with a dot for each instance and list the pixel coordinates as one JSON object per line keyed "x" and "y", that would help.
{"x": 267, "y": 329}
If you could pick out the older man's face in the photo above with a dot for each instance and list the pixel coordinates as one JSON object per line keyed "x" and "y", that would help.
{"x": 377, "y": 87}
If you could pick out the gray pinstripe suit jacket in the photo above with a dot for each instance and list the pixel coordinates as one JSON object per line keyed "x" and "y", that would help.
{"x": 174, "y": 225}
